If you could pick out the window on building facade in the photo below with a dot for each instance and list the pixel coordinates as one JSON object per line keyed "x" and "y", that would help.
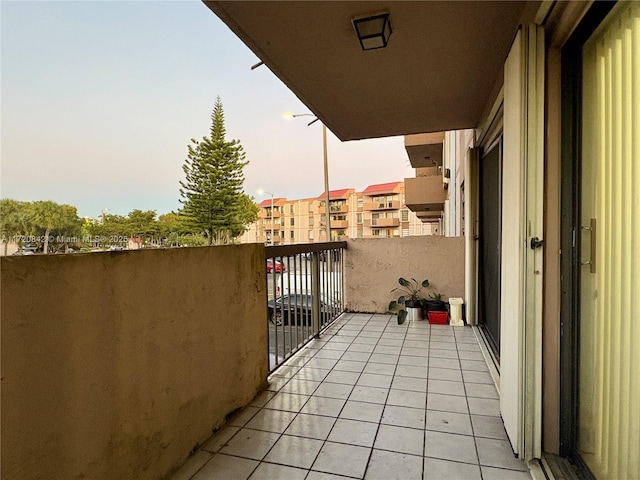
{"x": 360, "y": 201}
{"x": 360, "y": 233}
{"x": 358, "y": 218}
{"x": 291, "y": 209}
{"x": 292, "y": 235}
{"x": 292, "y": 222}
{"x": 405, "y": 215}
{"x": 310, "y": 234}
{"x": 405, "y": 232}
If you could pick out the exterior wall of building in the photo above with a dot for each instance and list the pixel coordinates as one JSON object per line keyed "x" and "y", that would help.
{"x": 439, "y": 259}
{"x": 302, "y": 220}
{"x": 115, "y": 365}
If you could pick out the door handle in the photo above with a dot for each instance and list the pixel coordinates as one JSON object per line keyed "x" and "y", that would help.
{"x": 536, "y": 243}
{"x": 592, "y": 251}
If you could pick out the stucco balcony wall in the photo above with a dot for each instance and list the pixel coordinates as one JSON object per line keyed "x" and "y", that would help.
{"x": 383, "y": 205}
{"x": 382, "y": 222}
{"x": 117, "y": 364}
{"x": 373, "y": 266}
{"x": 424, "y": 193}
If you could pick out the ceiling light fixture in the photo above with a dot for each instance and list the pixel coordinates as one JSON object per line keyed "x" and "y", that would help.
{"x": 373, "y": 30}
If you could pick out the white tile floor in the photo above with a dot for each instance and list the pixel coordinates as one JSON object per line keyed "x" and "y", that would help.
{"x": 369, "y": 400}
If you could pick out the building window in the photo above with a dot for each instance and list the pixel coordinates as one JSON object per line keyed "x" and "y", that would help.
{"x": 292, "y": 222}
{"x": 405, "y": 232}
{"x": 358, "y": 217}
{"x": 310, "y": 234}
{"x": 405, "y": 215}
{"x": 360, "y": 233}
{"x": 360, "y": 202}
{"x": 292, "y": 235}
{"x": 291, "y": 209}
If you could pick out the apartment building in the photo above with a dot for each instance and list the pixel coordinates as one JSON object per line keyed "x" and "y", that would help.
{"x": 379, "y": 211}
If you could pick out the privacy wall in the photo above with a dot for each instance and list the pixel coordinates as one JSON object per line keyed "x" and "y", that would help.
{"x": 117, "y": 364}
{"x": 373, "y": 266}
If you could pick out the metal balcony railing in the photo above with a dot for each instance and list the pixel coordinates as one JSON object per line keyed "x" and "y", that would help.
{"x": 305, "y": 294}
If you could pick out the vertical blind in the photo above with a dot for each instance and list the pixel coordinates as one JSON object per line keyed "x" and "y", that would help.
{"x": 609, "y": 421}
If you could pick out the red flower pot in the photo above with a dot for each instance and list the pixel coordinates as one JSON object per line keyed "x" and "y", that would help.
{"x": 438, "y": 318}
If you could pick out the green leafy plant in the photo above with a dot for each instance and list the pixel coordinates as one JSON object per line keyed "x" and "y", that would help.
{"x": 435, "y": 296}
{"x": 411, "y": 297}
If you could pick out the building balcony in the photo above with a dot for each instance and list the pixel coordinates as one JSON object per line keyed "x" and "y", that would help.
{"x": 334, "y": 209}
{"x": 385, "y": 205}
{"x": 191, "y": 355}
{"x": 425, "y": 194}
{"x": 424, "y": 149}
{"x": 382, "y": 222}
{"x": 272, "y": 226}
{"x": 263, "y": 213}
{"x": 339, "y": 224}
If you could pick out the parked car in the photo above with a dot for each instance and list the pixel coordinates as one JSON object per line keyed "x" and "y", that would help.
{"x": 298, "y": 308}
{"x": 275, "y": 266}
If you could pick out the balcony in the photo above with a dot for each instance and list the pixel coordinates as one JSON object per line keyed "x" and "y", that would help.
{"x": 370, "y": 399}
{"x": 334, "y": 209}
{"x": 424, "y": 149}
{"x": 382, "y": 205}
{"x": 263, "y": 213}
{"x": 272, "y": 226}
{"x": 341, "y": 224}
{"x": 128, "y": 373}
{"x": 425, "y": 194}
{"x": 382, "y": 222}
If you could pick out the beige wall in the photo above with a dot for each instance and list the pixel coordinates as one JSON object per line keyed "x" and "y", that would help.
{"x": 373, "y": 266}
{"x": 116, "y": 364}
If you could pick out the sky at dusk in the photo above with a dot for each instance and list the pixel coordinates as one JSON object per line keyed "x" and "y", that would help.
{"x": 100, "y": 99}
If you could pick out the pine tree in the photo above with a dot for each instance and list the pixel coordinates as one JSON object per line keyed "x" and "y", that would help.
{"x": 212, "y": 193}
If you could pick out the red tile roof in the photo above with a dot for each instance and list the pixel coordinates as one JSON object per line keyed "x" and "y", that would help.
{"x": 276, "y": 201}
{"x": 381, "y": 188}
{"x": 343, "y": 193}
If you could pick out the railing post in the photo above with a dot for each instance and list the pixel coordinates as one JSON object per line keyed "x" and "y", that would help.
{"x": 315, "y": 294}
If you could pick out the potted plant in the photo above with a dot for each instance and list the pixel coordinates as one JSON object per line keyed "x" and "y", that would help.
{"x": 409, "y": 303}
{"x": 433, "y": 303}
{"x": 435, "y": 308}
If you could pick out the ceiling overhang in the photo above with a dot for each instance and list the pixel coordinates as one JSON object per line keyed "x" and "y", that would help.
{"x": 437, "y": 72}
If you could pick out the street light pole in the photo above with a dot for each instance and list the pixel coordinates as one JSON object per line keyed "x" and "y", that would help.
{"x": 271, "y": 218}
{"x": 326, "y": 183}
{"x": 326, "y": 169}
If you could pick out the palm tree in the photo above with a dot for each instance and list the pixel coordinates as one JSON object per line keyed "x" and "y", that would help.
{"x": 46, "y": 215}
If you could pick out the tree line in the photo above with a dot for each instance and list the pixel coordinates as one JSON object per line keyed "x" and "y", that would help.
{"x": 52, "y": 227}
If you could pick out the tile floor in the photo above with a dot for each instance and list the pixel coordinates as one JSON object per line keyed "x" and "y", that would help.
{"x": 370, "y": 399}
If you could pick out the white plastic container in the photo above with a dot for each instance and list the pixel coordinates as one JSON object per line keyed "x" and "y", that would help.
{"x": 455, "y": 310}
